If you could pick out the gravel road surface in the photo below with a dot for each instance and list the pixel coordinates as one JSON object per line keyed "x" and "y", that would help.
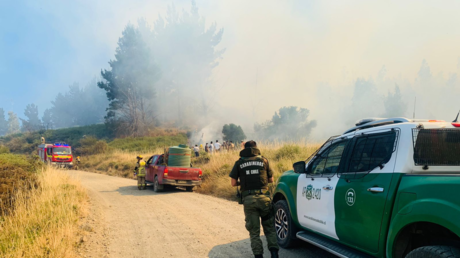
{"x": 126, "y": 222}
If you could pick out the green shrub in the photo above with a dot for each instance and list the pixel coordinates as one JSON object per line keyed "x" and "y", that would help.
{"x": 4, "y": 149}
{"x": 91, "y": 145}
{"x": 288, "y": 151}
{"x": 147, "y": 143}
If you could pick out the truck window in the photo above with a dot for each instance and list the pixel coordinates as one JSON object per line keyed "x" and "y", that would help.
{"x": 62, "y": 151}
{"x": 328, "y": 161}
{"x": 371, "y": 151}
{"x": 154, "y": 160}
{"x": 436, "y": 147}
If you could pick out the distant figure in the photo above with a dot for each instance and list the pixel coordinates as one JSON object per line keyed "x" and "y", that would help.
{"x": 217, "y": 146}
{"x": 232, "y": 145}
{"x": 141, "y": 176}
{"x": 197, "y": 151}
{"x": 242, "y": 144}
{"x": 211, "y": 147}
{"x": 139, "y": 158}
{"x": 206, "y": 147}
{"x": 201, "y": 146}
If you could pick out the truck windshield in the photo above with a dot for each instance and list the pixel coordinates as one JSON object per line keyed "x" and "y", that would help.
{"x": 62, "y": 151}
{"x": 436, "y": 147}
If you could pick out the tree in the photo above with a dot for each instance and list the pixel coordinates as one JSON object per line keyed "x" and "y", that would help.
{"x": 394, "y": 104}
{"x": 289, "y": 123}
{"x": 3, "y": 122}
{"x": 186, "y": 51}
{"x": 32, "y": 123}
{"x": 233, "y": 132}
{"x": 129, "y": 85}
{"x": 47, "y": 119}
{"x": 13, "y": 123}
{"x": 366, "y": 102}
{"x": 78, "y": 106}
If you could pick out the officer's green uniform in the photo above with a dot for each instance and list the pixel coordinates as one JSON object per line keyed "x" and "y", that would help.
{"x": 253, "y": 171}
{"x": 141, "y": 177}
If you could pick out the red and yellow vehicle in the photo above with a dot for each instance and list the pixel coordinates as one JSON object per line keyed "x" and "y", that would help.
{"x": 58, "y": 154}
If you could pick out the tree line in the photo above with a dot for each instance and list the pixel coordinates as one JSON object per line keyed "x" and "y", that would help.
{"x": 79, "y": 106}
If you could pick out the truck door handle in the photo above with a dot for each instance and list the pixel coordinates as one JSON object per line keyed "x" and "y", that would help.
{"x": 328, "y": 187}
{"x": 376, "y": 189}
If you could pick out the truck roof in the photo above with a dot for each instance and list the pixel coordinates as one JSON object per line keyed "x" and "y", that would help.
{"x": 377, "y": 122}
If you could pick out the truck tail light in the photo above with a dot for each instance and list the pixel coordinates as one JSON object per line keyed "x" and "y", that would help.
{"x": 456, "y": 124}
{"x": 165, "y": 173}
{"x": 200, "y": 173}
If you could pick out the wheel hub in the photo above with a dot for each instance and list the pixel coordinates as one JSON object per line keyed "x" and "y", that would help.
{"x": 281, "y": 224}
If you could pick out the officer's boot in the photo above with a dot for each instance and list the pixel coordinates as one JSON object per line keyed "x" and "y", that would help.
{"x": 274, "y": 252}
{"x": 258, "y": 256}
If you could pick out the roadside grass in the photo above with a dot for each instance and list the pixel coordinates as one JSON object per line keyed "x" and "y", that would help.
{"x": 216, "y": 168}
{"x": 44, "y": 221}
{"x": 17, "y": 173}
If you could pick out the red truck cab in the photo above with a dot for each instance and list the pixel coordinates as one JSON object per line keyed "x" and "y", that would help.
{"x": 161, "y": 175}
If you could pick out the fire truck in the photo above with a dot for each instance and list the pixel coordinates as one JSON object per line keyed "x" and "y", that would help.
{"x": 57, "y": 154}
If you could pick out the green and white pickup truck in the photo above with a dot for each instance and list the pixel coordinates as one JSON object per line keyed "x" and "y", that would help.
{"x": 385, "y": 188}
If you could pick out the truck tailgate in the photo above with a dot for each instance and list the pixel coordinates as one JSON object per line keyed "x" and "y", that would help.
{"x": 181, "y": 173}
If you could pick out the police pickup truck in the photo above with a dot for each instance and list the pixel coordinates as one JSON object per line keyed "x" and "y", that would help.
{"x": 385, "y": 188}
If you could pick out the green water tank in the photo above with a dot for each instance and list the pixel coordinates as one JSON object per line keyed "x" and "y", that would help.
{"x": 179, "y": 156}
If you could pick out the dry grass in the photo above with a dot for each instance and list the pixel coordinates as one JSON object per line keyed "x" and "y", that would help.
{"x": 44, "y": 224}
{"x": 216, "y": 168}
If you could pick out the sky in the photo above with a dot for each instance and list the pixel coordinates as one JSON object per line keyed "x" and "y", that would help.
{"x": 278, "y": 53}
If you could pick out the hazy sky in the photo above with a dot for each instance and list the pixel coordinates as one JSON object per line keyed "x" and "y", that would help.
{"x": 278, "y": 53}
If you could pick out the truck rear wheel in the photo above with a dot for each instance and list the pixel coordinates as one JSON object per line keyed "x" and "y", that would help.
{"x": 285, "y": 228}
{"x": 436, "y": 251}
{"x": 157, "y": 187}
{"x": 189, "y": 188}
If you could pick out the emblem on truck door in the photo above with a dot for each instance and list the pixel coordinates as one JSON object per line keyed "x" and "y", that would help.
{"x": 350, "y": 197}
{"x": 311, "y": 193}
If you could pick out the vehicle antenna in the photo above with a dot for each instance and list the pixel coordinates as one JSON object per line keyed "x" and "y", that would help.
{"x": 415, "y": 102}
{"x": 456, "y": 119}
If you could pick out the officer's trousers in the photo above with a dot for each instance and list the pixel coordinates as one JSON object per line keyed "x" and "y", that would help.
{"x": 141, "y": 182}
{"x": 258, "y": 208}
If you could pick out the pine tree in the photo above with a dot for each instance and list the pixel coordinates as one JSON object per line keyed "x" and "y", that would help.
{"x": 129, "y": 84}
{"x": 394, "y": 104}
{"x": 32, "y": 123}
{"x": 3, "y": 122}
{"x": 13, "y": 123}
{"x": 47, "y": 119}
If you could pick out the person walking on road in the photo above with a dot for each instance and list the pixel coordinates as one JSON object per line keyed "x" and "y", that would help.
{"x": 136, "y": 168}
{"x": 141, "y": 176}
{"x": 254, "y": 174}
{"x": 197, "y": 151}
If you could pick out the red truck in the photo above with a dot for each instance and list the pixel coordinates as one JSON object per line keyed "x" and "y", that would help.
{"x": 161, "y": 175}
{"x": 58, "y": 154}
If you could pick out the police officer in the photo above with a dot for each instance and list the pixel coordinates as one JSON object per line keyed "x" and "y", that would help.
{"x": 254, "y": 173}
{"x": 141, "y": 176}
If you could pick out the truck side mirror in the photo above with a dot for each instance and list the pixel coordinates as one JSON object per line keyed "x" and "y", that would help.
{"x": 299, "y": 167}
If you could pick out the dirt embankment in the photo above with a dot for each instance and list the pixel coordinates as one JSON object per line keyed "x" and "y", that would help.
{"x": 126, "y": 222}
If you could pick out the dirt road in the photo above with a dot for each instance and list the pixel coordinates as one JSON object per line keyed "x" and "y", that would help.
{"x": 126, "y": 222}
